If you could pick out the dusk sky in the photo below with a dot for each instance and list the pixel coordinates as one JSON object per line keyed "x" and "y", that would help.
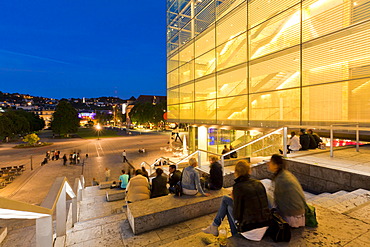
{"x": 83, "y": 48}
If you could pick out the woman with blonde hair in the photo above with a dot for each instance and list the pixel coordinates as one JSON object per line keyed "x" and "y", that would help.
{"x": 190, "y": 180}
{"x": 247, "y": 209}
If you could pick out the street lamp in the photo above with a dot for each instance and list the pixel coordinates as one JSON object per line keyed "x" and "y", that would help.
{"x": 98, "y": 128}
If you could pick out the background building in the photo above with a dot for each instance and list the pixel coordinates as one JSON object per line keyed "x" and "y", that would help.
{"x": 235, "y": 65}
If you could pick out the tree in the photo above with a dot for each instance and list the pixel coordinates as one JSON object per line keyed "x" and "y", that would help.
{"x": 32, "y": 139}
{"x": 65, "y": 119}
{"x": 148, "y": 113}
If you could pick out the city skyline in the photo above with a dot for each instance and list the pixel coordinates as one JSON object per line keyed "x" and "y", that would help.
{"x": 74, "y": 50}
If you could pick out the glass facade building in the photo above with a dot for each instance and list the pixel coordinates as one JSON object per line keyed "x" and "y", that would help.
{"x": 268, "y": 63}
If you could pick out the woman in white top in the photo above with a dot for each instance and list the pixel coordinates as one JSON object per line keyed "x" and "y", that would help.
{"x": 293, "y": 143}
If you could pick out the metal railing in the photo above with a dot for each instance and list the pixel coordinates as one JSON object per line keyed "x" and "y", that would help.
{"x": 333, "y": 127}
{"x": 285, "y": 133}
{"x": 55, "y": 201}
{"x": 158, "y": 162}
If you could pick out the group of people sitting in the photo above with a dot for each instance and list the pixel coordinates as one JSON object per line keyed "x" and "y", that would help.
{"x": 304, "y": 141}
{"x": 247, "y": 208}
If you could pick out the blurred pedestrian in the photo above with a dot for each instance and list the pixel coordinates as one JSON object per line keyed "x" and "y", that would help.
{"x": 124, "y": 158}
{"x": 107, "y": 174}
{"x": 64, "y": 160}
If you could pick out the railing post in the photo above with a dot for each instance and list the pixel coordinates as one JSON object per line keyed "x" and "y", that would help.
{"x": 44, "y": 231}
{"x": 223, "y": 164}
{"x": 285, "y": 136}
{"x": 61, "y": 213}
{"x": 74, "y": 211}
{"x": 331, "y": 141}
{"x": 199, "y": 159}
{"x": 357, "y": 139}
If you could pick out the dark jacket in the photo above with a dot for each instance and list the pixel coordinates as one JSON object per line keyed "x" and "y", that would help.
{"x": 159, "y": 186}
{"x": 224, "y": 151}
{"x": 250, "y": 209}
{"x": 215, "y": 176}
{"x": 313, "y": 143}
{"x": 288, "y": 194}
{"x": 317, "y": 138}
{"x": 234, "y": 154}
{"x": 304, "y": 140}
{"x": 174, "y": 178}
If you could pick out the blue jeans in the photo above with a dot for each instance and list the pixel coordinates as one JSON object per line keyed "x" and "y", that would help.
{"x": 226, "y": 208}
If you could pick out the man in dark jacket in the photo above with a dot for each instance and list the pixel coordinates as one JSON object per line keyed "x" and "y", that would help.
{"x": 174, "y": 178}
{"x": 247, "y": 209}
{"x": 215, "y": 180}
{"x": 159, "y": 184}
{"x": 304, "y": 139}
{"x": 315, "y": 136}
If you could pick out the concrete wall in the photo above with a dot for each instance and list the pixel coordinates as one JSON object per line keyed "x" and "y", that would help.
{"x": 318, "y": 179}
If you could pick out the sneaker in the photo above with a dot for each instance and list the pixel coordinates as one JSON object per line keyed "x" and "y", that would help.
{"x": 211, "y": 230}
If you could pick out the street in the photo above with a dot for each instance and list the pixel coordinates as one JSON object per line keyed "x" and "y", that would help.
{"x": 33, "y": 186}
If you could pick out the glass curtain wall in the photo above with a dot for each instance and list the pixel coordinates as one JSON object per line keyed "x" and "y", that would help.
{"x": 268, "y": 63}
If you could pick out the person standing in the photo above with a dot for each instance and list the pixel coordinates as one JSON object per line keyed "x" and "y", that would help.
{"x": 64, "y": 160}
{"x": 107, "y": 174}
{"x": 124, "y": 158}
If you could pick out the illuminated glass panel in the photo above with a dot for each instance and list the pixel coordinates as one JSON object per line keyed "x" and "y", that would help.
{"x": 186, "y": 72}
{"x": 261, "y": 10}
{"x": 331, "y": 58}
{"x": 187, "y": 93}
{"x": 206, "y": 88}
{"x": 173, "y": 62}
{"x": 187, "y": 53}
{"x": 173, "y": 96}
{"x": 280, "y": 71}
{"x": 187, "y": 112}
{"x": 232, "y": 52}
{"x": 173, "y": 78}
{"x": 275, "y": 34}
{"x": 232, "y": 25}
{"x": 205, "y": 64}
{"x": 205, "y": 112}
{"x": 232, "y": 82}
{"x": 276, "y": 106}
{"x": 173, "y": 112}
{"x": 232, "y": 109}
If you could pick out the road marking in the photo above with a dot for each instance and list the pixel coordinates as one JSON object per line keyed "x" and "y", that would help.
{"x": 97, "y": 150}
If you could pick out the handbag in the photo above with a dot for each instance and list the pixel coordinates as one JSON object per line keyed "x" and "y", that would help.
{"x": 279, "y": 229}
{"x": 310, "y": 216}
{"x": 178, "y": 189}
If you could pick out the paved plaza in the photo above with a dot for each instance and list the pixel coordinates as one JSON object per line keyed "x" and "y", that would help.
{"x": 105, "y": 224}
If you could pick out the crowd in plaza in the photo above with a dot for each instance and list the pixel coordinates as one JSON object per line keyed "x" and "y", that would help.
{"x": 248, "y": 208}
{"x": 54, "y": 155}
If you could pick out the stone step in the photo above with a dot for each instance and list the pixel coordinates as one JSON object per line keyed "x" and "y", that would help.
{"x": 163, "y": 211}
{"x": 352, "y": 202}
{"x": 342, "y": 198}
{"x": 321, "y": 200}
{"x": 3, "y": 233}
{"x": 318, "y": 197}
{"x": 199, "y": 240}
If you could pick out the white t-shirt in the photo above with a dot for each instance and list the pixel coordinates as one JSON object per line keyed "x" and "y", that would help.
{"x": 123, "y": 153}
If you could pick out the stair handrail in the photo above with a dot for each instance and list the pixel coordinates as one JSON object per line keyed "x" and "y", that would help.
{"x": 284, "y": 129}
{"x": 55, "y": 201}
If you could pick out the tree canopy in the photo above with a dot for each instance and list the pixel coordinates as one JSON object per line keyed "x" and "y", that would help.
{"x": 65, "y": 119}
{"x": 145, "y": 112}
{"x": 19, "y": 122}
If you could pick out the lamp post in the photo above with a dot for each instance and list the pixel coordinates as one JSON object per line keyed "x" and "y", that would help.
{"x": 98, "y": 128}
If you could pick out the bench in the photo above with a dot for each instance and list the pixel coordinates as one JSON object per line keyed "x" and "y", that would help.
{"x": 112, "y": 195}
{"x": 105, "y": 185}
{"x": 162, "y": 211}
